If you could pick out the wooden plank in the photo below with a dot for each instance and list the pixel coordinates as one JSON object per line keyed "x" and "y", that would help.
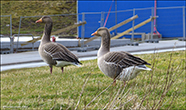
{"x": 114, "y": 27}
{"x": 68, "y": 28}
{"x": 135, "y": 27}
{"x": 124, "y": 22}
{"x": 31, "y": 41}
{"x": 90, "y": 39}
{"x": 56, "y": 32}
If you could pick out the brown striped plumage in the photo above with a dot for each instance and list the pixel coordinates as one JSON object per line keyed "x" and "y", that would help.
{"x": 124, "y": 59}
{"x": 53, "y": 53}
{"x": 59, "y": 52}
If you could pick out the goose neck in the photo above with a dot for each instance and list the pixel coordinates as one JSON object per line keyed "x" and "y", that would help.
{"x": 47, "y": 32}
{"x": 105, "y": 45}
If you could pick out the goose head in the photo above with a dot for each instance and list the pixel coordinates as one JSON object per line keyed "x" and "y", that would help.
{"x": 105, "y": 40}
{"x": 44, "y": 19}
{"x": 101, "y": 31}
{"x": 47, "y": 29}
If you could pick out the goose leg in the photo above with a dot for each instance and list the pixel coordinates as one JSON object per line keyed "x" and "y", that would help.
{"x": 114, "y": 83}
{"x": 50, "y": 69}
{"x": 124, "y": 83}
{"x": 62, "y": 69}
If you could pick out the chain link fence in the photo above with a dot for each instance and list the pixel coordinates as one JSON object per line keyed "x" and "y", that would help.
{"x": 6, "y": 33}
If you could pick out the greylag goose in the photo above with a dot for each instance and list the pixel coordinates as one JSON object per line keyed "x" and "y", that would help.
{"x": 54, "y": 54}
{"x": 117, "y": 65}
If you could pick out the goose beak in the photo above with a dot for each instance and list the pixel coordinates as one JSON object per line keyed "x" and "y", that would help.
{"x": 95, "y": 33}
{"x": 39, "y": 21}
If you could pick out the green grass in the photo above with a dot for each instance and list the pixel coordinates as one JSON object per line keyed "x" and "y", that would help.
{"x": 36, "y": 88}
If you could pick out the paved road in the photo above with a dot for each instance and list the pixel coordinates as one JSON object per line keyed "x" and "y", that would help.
{"x": 32, "y": 59}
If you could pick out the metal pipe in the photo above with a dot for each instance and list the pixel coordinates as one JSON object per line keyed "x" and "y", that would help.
{"x": 155, "y": 6}
{"x": 83, "y": 32}
{"x": 101, "y": 25}
{"x": 115, "y": 15}
{"x": 11, "y": 37}
{"x": 32, "y": 43}
{"x": 133, "y": 22}
{"x": 183, "y": 22}
{"x": 10, "y": 25}
{"x": 152, "y": 24}
{"x": 18, "y": 33}
{"x": 102, "y": 19}
{"x": 11, "y": 44}
{"x": 77, "y": 18}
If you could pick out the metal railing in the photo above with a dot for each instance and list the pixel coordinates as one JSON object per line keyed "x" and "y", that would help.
{"x": 98, "y": 20}
{"x": 10, "y": 33}
{"x": 17, "y": 44}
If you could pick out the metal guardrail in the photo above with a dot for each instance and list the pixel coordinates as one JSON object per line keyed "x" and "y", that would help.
{"x": 18, "y": 35}
{"x": 83, "y": 28}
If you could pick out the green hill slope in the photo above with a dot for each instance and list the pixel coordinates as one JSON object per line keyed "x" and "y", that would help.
{"x": 36, "y": 8}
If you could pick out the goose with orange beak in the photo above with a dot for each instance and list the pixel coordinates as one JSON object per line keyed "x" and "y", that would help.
{"x": 117, "y": 65}
{"x": 54, "y": 54}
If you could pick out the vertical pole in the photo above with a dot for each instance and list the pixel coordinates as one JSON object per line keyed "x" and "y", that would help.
{"x": 77, "y": 14}
{"x": 102, "y": 19}
{"x": 11, "y": 44}
{"x": 10, "y": 25}
{"x": 183, "y": 22}
{"x": 101, "y": 24}
{"x": 155, "y": 10}
{"x": 152, "y": 23}
{"x": 11, "y": 37}
{"x": 18, "y": 33}
{"x": 32, "y": 43}
{"x": 82, "y": 32}
{"x": 116, "y": 16}
{"x": 133, "y": 22}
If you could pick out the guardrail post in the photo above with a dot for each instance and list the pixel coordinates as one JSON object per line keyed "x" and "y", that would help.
{"x": 116, "y": 16}
{"x": 11, "y": 37}
{"x": 183, "y": 38}
{"x": 184, "y": 23}
{"x": 11, "y": 44}
{"x": 82, "y": 35}
{"x": 101, "y": 25}
{"x": 102, "y": 19}
{"x": 10, "y": 25}
{"x": 152, "y": 22}
{"x": 132, "y": 43}
{"x": 18, "y": 33}
{"x": 32, "y": 43}
{"x": 133, "y": 22}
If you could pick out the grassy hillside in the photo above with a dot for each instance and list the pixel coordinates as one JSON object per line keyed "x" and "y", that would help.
{"x": 87, "y": 87}
{"x": 36, "y": 8}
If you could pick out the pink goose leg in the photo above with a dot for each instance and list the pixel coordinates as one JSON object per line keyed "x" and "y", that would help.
{"x": 50, "y": 70}
{"x": 114, "y": 83}
{"x": 62, "y": 69}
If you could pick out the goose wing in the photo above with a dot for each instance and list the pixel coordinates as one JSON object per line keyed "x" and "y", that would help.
{"x": 59, "y": 52}
{"x": 123, "y": 59}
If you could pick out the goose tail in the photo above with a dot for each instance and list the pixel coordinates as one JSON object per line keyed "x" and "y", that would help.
{"x": 143, "y": 67}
